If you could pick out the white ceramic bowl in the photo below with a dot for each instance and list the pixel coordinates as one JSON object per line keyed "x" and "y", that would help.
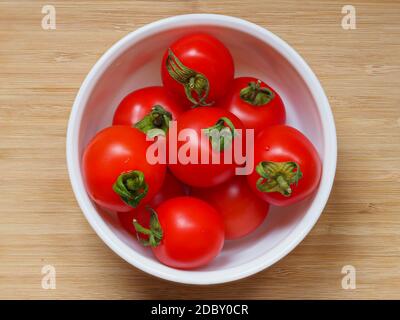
{"x": 134, "y": 62}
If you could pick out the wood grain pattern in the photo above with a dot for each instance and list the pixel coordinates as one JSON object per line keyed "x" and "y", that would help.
{"x": 41, "y": 223}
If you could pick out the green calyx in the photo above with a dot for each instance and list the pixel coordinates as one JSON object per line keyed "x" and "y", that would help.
{"x": 255, "y": 94}
{"x": 191, "y": 80}
{"x": 157, "y": 118}
{"x": 278, "y": 176}
{"x": 154, "y": 233}
{"x": 221, "y": 134}
{"x": 131, "y": 187}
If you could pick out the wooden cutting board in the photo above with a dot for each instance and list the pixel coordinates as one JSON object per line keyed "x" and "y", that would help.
{"x": 41, "y": 223}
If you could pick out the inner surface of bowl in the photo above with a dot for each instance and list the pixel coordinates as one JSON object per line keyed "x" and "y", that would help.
{"x": 137, "y": 64}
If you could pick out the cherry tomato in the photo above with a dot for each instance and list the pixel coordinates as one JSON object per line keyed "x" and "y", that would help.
{"x": 194, "y": 171}
{"x": 117, "y": 174}
{"x": 255, "y": 103}
{"x": 288, "y": 168}
{"x": 147, "y": 108}
{"x": 185, "y": 233}
{"x": 171, "y": 188}
{"x": 241, "y": 209}
{"x": 198, "y": 69}
{"x": 141, "y": 214}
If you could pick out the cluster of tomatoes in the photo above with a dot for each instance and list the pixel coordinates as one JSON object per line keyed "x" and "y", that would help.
{"x": 185, "y": 211}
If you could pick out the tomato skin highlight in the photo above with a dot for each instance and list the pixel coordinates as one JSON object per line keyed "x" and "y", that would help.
{"x": 137, "y": 104}
{"x": 116, "y": 150}
{"x": 171, "y": 188}
{"x": 282, "y": 144}
{"x": 200, "y": 174}
{"x": 206, "y": 55}
{"x": 193, "y": 233}
{"x": 256, "y": 117}
{"x": 241, "y": 209}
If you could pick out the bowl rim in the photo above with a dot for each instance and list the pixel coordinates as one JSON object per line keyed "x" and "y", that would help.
{"x": 282, "y": 248}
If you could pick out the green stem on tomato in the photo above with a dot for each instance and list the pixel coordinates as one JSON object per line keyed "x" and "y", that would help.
{"x": 131, "y": 187}
{"x": 191, "y": 80}
{"x": 221, "y": 134}
{"x": 155, "y": 231}
{"x": 255, "y": 94}
{"x": 157, "y": 118}
{"x": 278, "y": 176}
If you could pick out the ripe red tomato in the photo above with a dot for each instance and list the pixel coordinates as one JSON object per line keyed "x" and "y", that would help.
{"x": 200, "y": 174}
{"x": 241, "y": 209}
{"x": 255, "y": 103}
{"x": 117, "y": 174}
{"x": 184, "y": 233}
{"x": 198, "y": 69}
{"x": 171, "y": 188}
{"x": 288, "y": 168}
{"x": 140, "y": 108}
{"x": 141, "y": 214}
